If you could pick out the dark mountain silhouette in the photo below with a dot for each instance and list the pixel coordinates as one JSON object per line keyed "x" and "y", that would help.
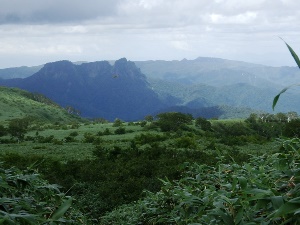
{"x": 97, "y": 89}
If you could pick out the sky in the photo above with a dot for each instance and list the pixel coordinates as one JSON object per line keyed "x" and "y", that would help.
{"x": 34, "y": 32}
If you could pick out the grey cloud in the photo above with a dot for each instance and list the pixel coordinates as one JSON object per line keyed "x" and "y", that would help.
{"x": 55, "y": 11}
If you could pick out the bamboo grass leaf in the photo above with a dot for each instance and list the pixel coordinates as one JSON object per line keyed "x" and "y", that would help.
{"x": 62, "y": 209}
{"x": 297, "y": 60}
{"x": 293, "y": 53}
{"x": 276, "y": 98}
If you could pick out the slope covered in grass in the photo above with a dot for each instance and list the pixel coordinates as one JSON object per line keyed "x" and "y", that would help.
{"x": 16, "y": 103}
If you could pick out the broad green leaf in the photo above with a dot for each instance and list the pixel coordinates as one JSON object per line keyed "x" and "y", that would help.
{"x": 243, "y": 182}
{"x": 239, "y": 216}
{"x": 62, "y": 209}
{"x": 287, "y": 208}
{"x": 277, "y": 201}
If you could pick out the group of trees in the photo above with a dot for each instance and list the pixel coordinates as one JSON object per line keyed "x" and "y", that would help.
{"x": 278, "y": 117}
{"x": 17, "y": 128}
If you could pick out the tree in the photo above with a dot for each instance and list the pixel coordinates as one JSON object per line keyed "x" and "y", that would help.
{"x": 117, "y": 123}
{"x": 173, "y": 121}
{"x": 292, "y": 116}
{"x": 203, "y": 123}
{"x": 149, "y": 118}
{"x": 3, "y": 131}
{"x": 292, "y": 129}
{"x": 17, "y": 128}
{"x": 281, "y": 117}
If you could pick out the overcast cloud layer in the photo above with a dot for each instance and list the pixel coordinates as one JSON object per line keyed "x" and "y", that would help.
{"x": 33, "y": 32}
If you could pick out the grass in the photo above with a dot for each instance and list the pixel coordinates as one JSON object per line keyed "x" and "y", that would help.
{"x": 65, "y": 152}
{"x": 79, "y": 149}
{"x": 16, "y": 103}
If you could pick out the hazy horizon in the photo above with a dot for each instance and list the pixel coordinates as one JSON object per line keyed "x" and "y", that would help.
{"x": 36, "y": 32}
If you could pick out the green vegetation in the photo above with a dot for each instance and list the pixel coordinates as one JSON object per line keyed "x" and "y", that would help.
{"x": 25, "y": 198}
{"x": 105, "y": 165}
{"x": 263, "y": 191}
{"x": 16, "y": 103}
{"x": 171, "y": 169}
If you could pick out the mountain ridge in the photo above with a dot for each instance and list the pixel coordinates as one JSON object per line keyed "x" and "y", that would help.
{"x": 96, "y": 89}
{"x": 138, "y": 88}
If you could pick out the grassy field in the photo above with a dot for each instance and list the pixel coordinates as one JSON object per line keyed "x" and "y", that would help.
{"x": 80, "y": 149}
{"x": 17, "y": 103}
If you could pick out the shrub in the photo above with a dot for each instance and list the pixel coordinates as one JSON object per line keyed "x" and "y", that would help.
{"x": 292, "y": 129}
{"x": 186, "y": 142}
{"x": 74, "y": 134}
{"x": 203, "y": 123}
{"x": 117, "y": 123}
{"x": 173, "y": 121}
{"x": 88, "y": 137}
{"x": 263, "y": 191}
{"x": 3, "y": 131}
{"x": 120, "y": 130}
{"x": 27, "y": 199}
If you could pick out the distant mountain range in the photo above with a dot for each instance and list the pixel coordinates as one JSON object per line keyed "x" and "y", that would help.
{"x": 96, "y": 89}
{"x": 128, "y": 90}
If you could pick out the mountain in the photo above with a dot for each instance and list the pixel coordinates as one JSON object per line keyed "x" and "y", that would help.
{"x": 18, "y": 72}
{"x": 96, "y": 89}
{"x": 211, "y": 81}
{"x": 219, "y": 72}
{"x": 17, "y": 103}
{"x": 129, "y": 90}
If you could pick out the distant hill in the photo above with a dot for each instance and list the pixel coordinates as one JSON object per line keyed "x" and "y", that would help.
{"x": 96, "y": 89}
{"x": 130, "y": 90}
{"x": 219, "y": 72}
{"x": 240, "y": 95}
{"x": 18, "y": 72}
{"x": 16, "y": 103}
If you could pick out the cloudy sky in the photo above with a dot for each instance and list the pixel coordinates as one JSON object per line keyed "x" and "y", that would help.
{"x": 33, "y": 32}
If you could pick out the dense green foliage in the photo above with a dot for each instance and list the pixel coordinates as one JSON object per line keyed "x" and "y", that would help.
{"x": 25, "y": 198}
{"x": 17, "y": 104}
{"x": 105, "y": 165}
{"x": 263, "y": 191}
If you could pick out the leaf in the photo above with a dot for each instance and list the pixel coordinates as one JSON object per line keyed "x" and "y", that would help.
{"x": 296, "y": 58}
{"x": 289, "y": 207}
{"x": 275, "y": 100}
{"x": 243, "y": 182}
{"x": 293, "y": 53}
{"x": 277, "y": 201}
{"x": 62, "y": 209}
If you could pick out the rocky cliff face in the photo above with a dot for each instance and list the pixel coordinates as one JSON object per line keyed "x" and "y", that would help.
{"x": 97, "y": 89}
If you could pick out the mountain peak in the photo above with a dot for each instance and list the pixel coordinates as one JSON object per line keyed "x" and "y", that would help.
{"x": 125, "y": 68}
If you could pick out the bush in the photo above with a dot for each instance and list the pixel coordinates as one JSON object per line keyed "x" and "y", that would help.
{"x": 186, "y": 142}
{"x": 292, "y": 129}
{"x": 88, "y": 137}
{"x": 203, "y": 123}
{"x": 120, "y": 130}
{"x": 27, "y": 199}
{"x": 173, "y": 121}
{"x": 3, "y": 131}
{"x": 263, "y": 191}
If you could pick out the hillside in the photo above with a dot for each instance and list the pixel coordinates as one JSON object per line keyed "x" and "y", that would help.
{"x": 16, "y": 103}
